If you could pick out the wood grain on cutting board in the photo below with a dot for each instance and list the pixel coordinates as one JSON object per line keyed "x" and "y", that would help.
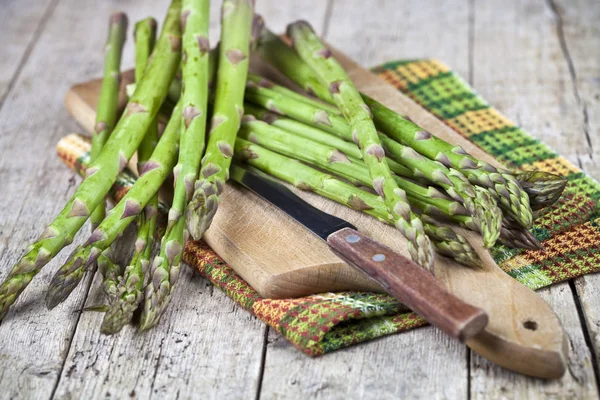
{"x": 281, "y": 259}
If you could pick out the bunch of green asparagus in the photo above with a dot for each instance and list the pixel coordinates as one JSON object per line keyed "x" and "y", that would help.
{"x": 328, "y": 138}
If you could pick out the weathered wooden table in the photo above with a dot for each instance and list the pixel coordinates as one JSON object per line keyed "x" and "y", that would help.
{"x": 537, "y": 61}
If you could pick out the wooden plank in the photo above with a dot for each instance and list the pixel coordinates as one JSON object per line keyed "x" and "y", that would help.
{"x": 423, "y": 364}
{"x": 580, "y": 34}
{"x": 399, "y": 366}
{"x": 33, "y": 341}
{"x": 21, "y": 23}
{"x": 525, "y": 75}
{"x": 576, "y": 24}
{"x": 377, "y": 32}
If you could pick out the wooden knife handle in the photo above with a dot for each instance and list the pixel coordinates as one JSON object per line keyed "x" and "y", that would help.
{"x": 408, "y": 282}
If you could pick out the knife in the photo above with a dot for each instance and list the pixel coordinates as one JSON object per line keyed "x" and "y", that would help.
{"x": 400, "y": 277}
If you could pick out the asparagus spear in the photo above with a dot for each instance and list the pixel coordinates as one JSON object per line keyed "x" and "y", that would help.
{"x": 108, "y": 101}
{"x": 126, "y": 295}
{"x": 543, "y": 188}
{"x": 194, "y": 98}
{"x": 307, "y": 178}
{"x": 74, "y": 151}
{"x": 273, "y": 50}
{"x": 515, "y": 236}
{"x": 152, "y": 177}
{"x": 227, "y": 113}
{"x": 125, "y": 138}
{"x": 359, "y": 117}
{"x": 428, "y": 202}
{"x": 262, "y": 82}
{"x": 106, "y": 116}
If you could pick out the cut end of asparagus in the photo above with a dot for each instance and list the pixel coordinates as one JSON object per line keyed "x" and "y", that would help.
{"x": 258, "y": 29}
{"x": 300, "y": 24}
{"x": 119, "y": 18}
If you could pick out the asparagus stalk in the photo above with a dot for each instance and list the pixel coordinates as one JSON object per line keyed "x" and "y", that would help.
{"x": 124, "y": 140}
{"x": 430, "y": 200}
{"x": 74, "y": 151}
{"x": 543, "y": 188}
{"x": 165, "y": 267}
{"x": 273, "y": 50}
{"x": 227, "y": 113}
{"x": 267, "y": 97}
{"x": 74, "y": 147}
{"x": 307, "y": 178}
{"x": 106, "y": 116}
{"x": 359, "y": 117}
{"x": 262, "y": 82}
{"x": 175, "y": 88}
{"x": 152, "y": 177}
{"x": 515, "y": 236}
{"x": 108, "y": 101}
{"x": 126, "y": 295}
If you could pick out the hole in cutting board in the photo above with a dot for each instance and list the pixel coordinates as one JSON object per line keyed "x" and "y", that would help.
{"x": 530, "y": 325}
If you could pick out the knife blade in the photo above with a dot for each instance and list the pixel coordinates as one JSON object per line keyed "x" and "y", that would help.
{"x": 400, "y": 277}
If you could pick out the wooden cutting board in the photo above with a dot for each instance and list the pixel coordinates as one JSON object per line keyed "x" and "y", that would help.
{"x": 281, "y": 259}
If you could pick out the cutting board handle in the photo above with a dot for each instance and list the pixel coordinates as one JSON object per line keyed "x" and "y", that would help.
{"x": 408, "y": 282}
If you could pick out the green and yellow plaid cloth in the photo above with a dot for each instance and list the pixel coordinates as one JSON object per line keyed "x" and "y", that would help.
{"x": 325, "y": 322}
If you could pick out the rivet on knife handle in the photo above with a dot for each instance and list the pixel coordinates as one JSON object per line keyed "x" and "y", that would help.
{"x": 408, "y": 282}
